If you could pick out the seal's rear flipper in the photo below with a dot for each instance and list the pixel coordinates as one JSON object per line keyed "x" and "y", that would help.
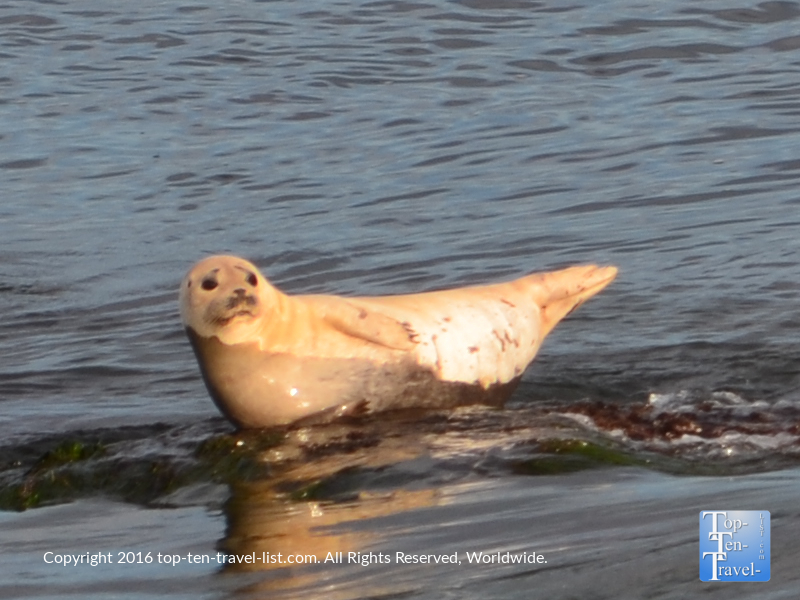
{"x": 560, "y": 292}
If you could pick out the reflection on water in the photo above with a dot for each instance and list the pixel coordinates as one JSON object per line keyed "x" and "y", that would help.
{"x": 326, "y": 471}
{"x": 609, "y": 530}
{"x": 260, "y": 522}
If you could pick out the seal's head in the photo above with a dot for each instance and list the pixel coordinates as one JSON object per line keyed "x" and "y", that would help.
{"x": 225, "y": 297}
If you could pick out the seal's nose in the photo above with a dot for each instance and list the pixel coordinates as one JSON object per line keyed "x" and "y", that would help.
{"x": 238, "y": 297}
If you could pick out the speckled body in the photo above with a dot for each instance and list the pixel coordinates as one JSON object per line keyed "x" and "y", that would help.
{"x": 272, "y": 359}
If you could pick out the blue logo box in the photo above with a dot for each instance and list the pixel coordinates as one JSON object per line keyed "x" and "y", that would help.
{"x": 734, "y": 545}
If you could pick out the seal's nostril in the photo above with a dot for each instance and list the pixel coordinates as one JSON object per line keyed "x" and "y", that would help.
{"x": 240, "y": 292}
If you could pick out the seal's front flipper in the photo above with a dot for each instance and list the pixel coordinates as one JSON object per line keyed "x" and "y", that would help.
{"x": 367, "y": 324}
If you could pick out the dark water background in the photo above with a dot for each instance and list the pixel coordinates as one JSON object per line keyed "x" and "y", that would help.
{"x": 388, "y": 147}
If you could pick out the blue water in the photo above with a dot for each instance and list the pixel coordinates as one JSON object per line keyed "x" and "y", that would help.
{"x": 391, "y": 147}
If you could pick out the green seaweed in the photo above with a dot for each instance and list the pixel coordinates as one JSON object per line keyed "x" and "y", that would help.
{"x": 570, "y": 455}
{"x": 67, "y": 452}
{"x": 309, "y": 492}
{"x": 227, "y": 458}
{"x": 140, "y": 483}
{"x": 48, "y": 479}
{"x": 75, "y": 468}
{"x": 589, "y": 450}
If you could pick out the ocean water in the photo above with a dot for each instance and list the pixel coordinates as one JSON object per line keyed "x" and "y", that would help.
{"x": 390, "y": 147}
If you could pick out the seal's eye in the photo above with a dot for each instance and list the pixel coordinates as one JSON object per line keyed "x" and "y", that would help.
{"x": 209, "y": 284}
{"x": 251, "y": 279}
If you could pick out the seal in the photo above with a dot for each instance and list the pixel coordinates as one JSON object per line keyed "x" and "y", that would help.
{"x": 269, "y": 359}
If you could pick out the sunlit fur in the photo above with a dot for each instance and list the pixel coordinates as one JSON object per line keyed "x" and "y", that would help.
{"x": 296, "y": 355}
